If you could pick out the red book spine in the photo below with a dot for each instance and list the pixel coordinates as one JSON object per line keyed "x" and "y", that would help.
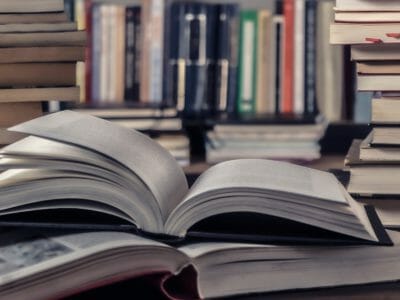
{"x": 288, "y": 57}
{"x": 88, "y": 54}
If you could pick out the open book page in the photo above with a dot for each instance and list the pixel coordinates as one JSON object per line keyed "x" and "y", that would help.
{"x": 71, "y": 261}
{"x": 154, "y": 165}
{"x": 269, "y": 175}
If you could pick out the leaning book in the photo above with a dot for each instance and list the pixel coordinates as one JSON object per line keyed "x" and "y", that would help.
{"x": 75, "y": 161}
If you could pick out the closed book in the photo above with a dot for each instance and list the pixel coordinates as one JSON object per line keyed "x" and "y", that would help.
{"x": 14, "y": 113}
{"x": 41, "y": 54}
{"x": 31, "y": 6}
{"x": 386, "y": 111}
{"x": 378, "y": 82}
{"x": 382, "y": 67}
{"x": 287, "y": 105}
{"x": 17, "y": 18}
{"x": 227, "y": 57}
{"x": 363, "y": 5}
{"x": 380, "y": 52}
{"x": 37, "y": 74}
{"x": 247, "y": 62}
{"x": 73, "y": 38}
{"x": 39, "y": 94}
{"x": 38, "y": 27}
{"x": 368, "y": 33}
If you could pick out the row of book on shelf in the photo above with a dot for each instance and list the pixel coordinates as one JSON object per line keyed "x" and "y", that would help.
{"x": 207, "y": 57}
{"x": 372, "y": 30}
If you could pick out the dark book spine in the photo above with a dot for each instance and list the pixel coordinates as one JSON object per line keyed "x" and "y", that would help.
{"x": 95, "y": 54}
{"x": 130, "y": 58}
{"x": 137, "y": 13}
{"x": 278, "y": 66}
{"x": 69, "y": 9}
{"x": 311, "y": 57}
{"x": 209, "y": 104}
{"x": 178, "y": 54}
{"x": 227, "y": 57}
{"x": 167, "y": 94}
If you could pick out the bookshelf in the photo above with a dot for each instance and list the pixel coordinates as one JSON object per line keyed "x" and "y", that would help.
{"x": 322, "y": 76}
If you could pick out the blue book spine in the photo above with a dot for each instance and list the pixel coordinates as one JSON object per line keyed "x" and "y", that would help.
{"x": 227, "y": 57}
{"x": 311, "y": 56}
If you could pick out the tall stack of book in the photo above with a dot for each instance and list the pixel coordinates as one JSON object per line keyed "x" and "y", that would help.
{"x": 372, "y": 28}
{"x": 39, "y": 50}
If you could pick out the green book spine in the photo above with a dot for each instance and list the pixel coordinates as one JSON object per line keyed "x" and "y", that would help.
{"x": 248, "y": 61}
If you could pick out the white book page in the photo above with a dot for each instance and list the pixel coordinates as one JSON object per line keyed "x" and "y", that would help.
{"x": 154, "y": 165}
{"x": 272, "y": 176}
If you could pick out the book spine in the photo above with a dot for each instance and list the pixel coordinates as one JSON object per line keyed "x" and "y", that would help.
{"x": 166, "y": 92}
{"x": 299, "y": 57}
{"x": 112, "y": 54}
{"x": 247, "y": 64}
{"x": 227, "y": 57}
{"x": 311, "y": 57}
{"x": 200, "y": 68}
{"x": 288, "y": 57}
{"x": 263, "y": 62}
{"x": 210, "y": 41}
{"x": 105, "y": 84}
{"x": 129, "y": 54}
{"x": 152, "y": 66}
{"x": 120, "y": 53}
{"x": 178, "y": 54}
{"x": 94, "y": 64}
{"x": 137, "y": 52}
{"x": 89, "y": 51}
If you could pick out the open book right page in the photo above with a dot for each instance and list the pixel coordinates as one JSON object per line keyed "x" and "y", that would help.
{"x": 279, "y": 189}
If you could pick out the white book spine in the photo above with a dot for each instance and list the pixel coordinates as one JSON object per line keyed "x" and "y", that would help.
{"x": 299, "y": 57}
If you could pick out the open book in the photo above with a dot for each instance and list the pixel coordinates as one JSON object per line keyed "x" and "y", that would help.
{"x": 72, "y": 262}
{"x": 76, "y": 161}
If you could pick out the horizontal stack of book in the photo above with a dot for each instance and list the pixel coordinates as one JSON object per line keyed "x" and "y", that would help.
{"x": 39, "y": 51}
{"x": 163, "y": 125}
{"x": 372, "y": 28}
{"x": 204, "y": 57}
{"x": 288, "y": 142}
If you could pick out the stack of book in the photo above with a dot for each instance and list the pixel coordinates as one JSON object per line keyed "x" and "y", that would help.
{"x": 372, "y": 28}
{"x": 289, "y": 142}
{"x": 39, "y": 51}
